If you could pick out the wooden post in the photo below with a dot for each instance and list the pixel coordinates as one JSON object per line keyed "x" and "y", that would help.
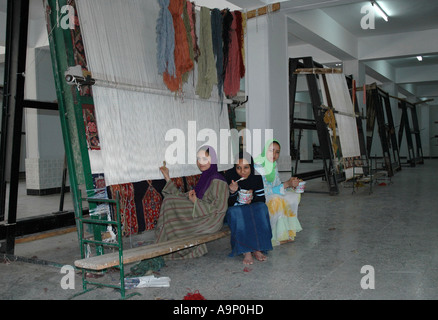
{"x": 263, "y": 10}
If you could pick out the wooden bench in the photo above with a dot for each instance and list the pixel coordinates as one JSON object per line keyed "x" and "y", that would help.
{"x": 121, "y": 257}
{"x": 102, "y": 262}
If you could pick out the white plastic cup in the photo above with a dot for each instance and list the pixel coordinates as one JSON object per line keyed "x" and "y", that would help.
{"x": 244, "y": 196}
{"x": 301, "y": 187}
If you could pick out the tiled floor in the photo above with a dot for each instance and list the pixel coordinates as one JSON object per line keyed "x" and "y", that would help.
{"x": 393, "y": 231}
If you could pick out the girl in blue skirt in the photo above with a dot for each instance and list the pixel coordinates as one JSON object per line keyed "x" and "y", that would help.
{"x": 247, "y": 215}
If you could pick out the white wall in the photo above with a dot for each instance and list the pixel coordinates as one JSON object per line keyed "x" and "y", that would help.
{"x": 267, "y": 80}
{"x": 44, "y": 153}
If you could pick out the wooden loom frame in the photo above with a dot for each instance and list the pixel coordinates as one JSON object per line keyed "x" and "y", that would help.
{"x": 415, "y": 156}
{"x": 379, "y": 102}
{"x": 328, "y": 172}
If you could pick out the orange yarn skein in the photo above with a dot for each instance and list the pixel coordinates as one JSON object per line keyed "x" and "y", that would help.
{"x": 183, "y": 63}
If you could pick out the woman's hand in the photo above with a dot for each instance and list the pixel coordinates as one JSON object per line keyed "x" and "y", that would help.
{"x": 291, "y": 183}
{"x": 251, "y": 198}
{"x": 192, "y": 196}
{"x": 165, "y": 171}
{"x": 233, "y": 187}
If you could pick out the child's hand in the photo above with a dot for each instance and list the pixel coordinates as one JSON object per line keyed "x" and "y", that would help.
{"x": 234, "y": 186}
{"x": 294, "y": 182}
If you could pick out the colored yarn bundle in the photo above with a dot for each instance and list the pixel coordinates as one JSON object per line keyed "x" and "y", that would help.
{"x": 234, "y": 63}
{"x": 147, "y": 266}
{"x": 240, "y": 41}
{"x": 216, "y": 27}
{"x": 206, "y": 66}
{"x": 183, "y": 63}
{"x": 220, "y": 52}
{"x": 165, "y": 40}
{"x": 194, "y": 296}
{"x": 192, "y": 18}
{"x": 226, "y": 36}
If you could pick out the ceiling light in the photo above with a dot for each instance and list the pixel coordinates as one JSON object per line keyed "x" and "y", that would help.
{"x": 420, "y": 58}
{"x": 379, "y": 10}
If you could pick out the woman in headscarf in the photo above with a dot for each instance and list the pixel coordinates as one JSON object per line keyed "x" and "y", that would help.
{"x": 281, "y": 199}
{"x": 200, "y": 211}
{"x": 247, "y": 215}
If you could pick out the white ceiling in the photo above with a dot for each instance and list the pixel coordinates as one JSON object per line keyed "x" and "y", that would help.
{"x": 406, "y": 17}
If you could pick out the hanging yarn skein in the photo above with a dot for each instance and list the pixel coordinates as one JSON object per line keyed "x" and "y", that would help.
{"x": 226, "y": 32}
{"x": 165, "y": 40}
{"x": 192, "y": 17}
{"x": 207, "y": 76}
{"x": 183, "y": 63}
{"x": 216, "y": 27}
{"x": 233, "y": 65}
{"x": 240, "y": 41}
{"x": 188, "y": 27}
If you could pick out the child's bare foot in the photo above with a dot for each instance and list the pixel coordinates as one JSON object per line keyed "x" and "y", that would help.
{"x": 247, "y": 259}
{"x": 259, "y": 256}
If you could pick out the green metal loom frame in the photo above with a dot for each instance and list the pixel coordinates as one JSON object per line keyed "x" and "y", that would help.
{"x": 70, "y": 104}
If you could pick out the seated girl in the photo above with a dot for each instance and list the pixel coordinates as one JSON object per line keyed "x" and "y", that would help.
{"x": 247, "y": 215}
{"x": 281, "y": 199}
{"x": 200, "y": 211}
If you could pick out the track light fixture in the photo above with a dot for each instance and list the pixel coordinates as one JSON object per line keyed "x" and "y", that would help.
{"x": 379, "y": 10}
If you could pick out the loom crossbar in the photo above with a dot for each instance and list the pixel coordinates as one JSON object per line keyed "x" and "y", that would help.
{"x": 109, "y": 260}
